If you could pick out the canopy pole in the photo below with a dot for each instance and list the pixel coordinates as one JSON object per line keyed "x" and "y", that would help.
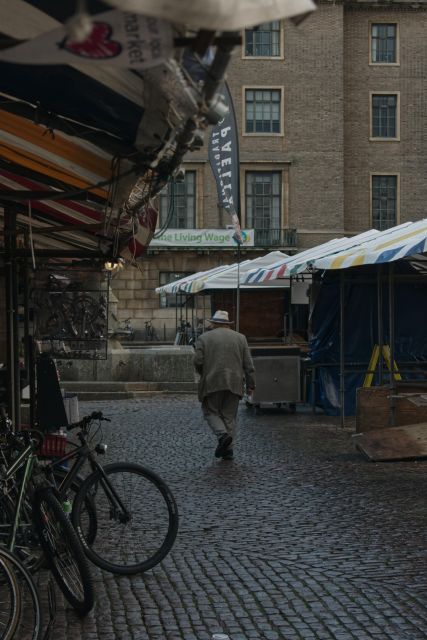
{"x": 380, "y": 323}
{"x": 11, "y": 273}
{"x": 392, "y": 337}
{"x": 291, "y": 323}
{"x": 342, "y": 362}
{"x": 238, "y": 289}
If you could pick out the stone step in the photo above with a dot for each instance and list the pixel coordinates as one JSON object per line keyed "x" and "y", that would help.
{"x": 96, "y": 390}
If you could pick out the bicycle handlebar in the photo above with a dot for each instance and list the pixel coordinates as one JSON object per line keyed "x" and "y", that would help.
{"x": 84, "y": 422}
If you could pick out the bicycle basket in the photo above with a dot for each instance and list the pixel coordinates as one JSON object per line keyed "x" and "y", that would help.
{"x": 53, "y": 445}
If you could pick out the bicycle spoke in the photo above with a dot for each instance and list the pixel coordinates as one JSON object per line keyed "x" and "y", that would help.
{"x": 136, "y": 518}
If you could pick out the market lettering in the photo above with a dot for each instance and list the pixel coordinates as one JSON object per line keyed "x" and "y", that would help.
{"x": 226, "y": 146}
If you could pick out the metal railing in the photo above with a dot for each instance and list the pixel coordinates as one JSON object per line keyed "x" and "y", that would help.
{"x": 275, "y": 238}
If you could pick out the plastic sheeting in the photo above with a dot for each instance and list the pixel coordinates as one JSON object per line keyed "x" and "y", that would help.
{"x": 361, "y": 334}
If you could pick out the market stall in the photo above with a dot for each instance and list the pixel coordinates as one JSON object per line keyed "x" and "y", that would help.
{"x": 263, "y": 312}
{"x": 368, "y": 318}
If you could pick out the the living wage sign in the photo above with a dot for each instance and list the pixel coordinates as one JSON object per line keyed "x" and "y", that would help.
{"x": 202, "y": 238}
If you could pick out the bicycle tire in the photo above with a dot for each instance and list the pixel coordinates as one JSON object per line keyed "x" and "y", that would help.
{"x": 27, "y": 545}
{"x": 63, "y": 551}
{"x": 29, "y": 627}
{"x": 10, "y": 600}
{"x": 148, "y": 547}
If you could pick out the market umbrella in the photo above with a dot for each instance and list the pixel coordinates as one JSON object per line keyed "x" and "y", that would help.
{"x": 218, "y": 15}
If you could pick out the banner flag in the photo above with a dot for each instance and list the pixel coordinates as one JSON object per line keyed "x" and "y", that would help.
{"x": 118, "y": 39}
{"x": 224, "y": 160}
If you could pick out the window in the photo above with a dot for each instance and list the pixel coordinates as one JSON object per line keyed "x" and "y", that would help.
{"x": 263, "y": 206}
{"x": 263, "y": 109}
{"x": 384, "y": 202}
{"x": 384, "y": 43}
{"x": 168, "y": 300}
{"x": 263, "y": 41}
{"x": 384, "y": 116}
{"x": 178, "y": 203}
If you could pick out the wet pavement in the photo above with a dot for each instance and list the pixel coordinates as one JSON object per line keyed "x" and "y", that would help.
{"x": 299, "y": 537}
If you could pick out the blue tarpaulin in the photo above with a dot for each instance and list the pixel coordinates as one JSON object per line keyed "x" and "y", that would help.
{"x": 361, "y": 333}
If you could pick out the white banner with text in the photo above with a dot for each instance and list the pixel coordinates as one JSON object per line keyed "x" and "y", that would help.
{"x": 202, "y": 238}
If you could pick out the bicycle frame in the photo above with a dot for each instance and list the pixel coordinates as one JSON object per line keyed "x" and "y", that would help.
{"x": 83, "y": 453}
{"x": 25, "y": 458}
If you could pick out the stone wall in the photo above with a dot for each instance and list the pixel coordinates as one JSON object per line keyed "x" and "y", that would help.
{"x": 152, "y": 364}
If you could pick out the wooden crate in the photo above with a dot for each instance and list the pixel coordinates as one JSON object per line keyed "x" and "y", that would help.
{"x": 373, "y": 407}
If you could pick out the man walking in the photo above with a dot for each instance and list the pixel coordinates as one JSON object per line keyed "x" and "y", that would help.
{"x": 223, "y": 360}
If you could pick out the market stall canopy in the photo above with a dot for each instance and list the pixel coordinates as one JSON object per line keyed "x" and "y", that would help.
{"x": 175, "y": 287}
{"x": 406, "y": 240}
{"x": 234, "y": 276}
{"x": 221, "y": 15}
{"x": 303, "y": 261}
{"x": 371, "y": 247}
{"x": 223, "y": 277}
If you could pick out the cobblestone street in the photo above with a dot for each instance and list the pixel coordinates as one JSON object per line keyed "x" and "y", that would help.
{"x": 298, "y": 538}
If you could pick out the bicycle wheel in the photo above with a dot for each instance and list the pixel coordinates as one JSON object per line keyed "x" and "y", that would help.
{"x": 10, "y": 601}
{"x": 63, "y": 551}
{"x": 137, "y": 518}
{"x": 27, "y": 544}
{"x": 30, "y": 622}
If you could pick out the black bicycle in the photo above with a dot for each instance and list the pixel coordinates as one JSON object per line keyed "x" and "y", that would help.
{"x": 22, "y": 482}
{"x": 21, "y": 609}
{"x": 124, "y": 513}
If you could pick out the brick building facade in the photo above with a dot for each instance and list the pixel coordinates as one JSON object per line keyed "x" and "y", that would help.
{"x": 333, "y": 141}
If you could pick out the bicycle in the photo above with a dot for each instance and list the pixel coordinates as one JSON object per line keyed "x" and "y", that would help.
{"x": 64, "y": 311}
{"x": 20, "y": 615}
{"x": 21, "y": 477}
{"x": 10, "y": 599}
{"x": 125, "y": 514}
{"x": 150, "y": 334}
{"x": 123, "y": 330}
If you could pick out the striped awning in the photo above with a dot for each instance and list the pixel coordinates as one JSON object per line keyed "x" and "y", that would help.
{"x": 233, "y": 275}
{"x": 400, "y": 242}
{"x": 177, "y": 285}
{"x": 302, "y": 261}
{"x": 370, "y": 247}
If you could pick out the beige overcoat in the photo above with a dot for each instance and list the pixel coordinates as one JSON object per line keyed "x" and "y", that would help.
{"x": 224, "y": 361}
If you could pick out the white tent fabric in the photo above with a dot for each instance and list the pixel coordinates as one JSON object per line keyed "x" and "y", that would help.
{"x": 371, "y": 247}
{"x": 229, "y": 278}
{"x": 406, "y": 240}
{"x": 175, "y": 287}
{"x": 217, "y": 15}
{"x": 223, "y": 277}
{"x": 303, "y": 261}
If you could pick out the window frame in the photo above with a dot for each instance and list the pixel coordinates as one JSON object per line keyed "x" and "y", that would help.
{"x": 384, "y": 64}
{"x": 195, "y": 198}
{"x": 373, "y": 138}
{"x": 269, "y": 134}
{"x": 281, "y": 44}
{"x": 394, "y": 174}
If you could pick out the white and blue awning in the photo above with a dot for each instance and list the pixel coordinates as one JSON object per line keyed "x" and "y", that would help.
{"x": 371, "y": 247}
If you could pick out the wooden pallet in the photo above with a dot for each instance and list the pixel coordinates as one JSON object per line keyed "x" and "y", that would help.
{"x": 394, "y": 443}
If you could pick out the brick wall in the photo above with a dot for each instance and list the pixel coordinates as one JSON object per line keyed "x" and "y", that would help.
{"x": 325, "y": 153}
